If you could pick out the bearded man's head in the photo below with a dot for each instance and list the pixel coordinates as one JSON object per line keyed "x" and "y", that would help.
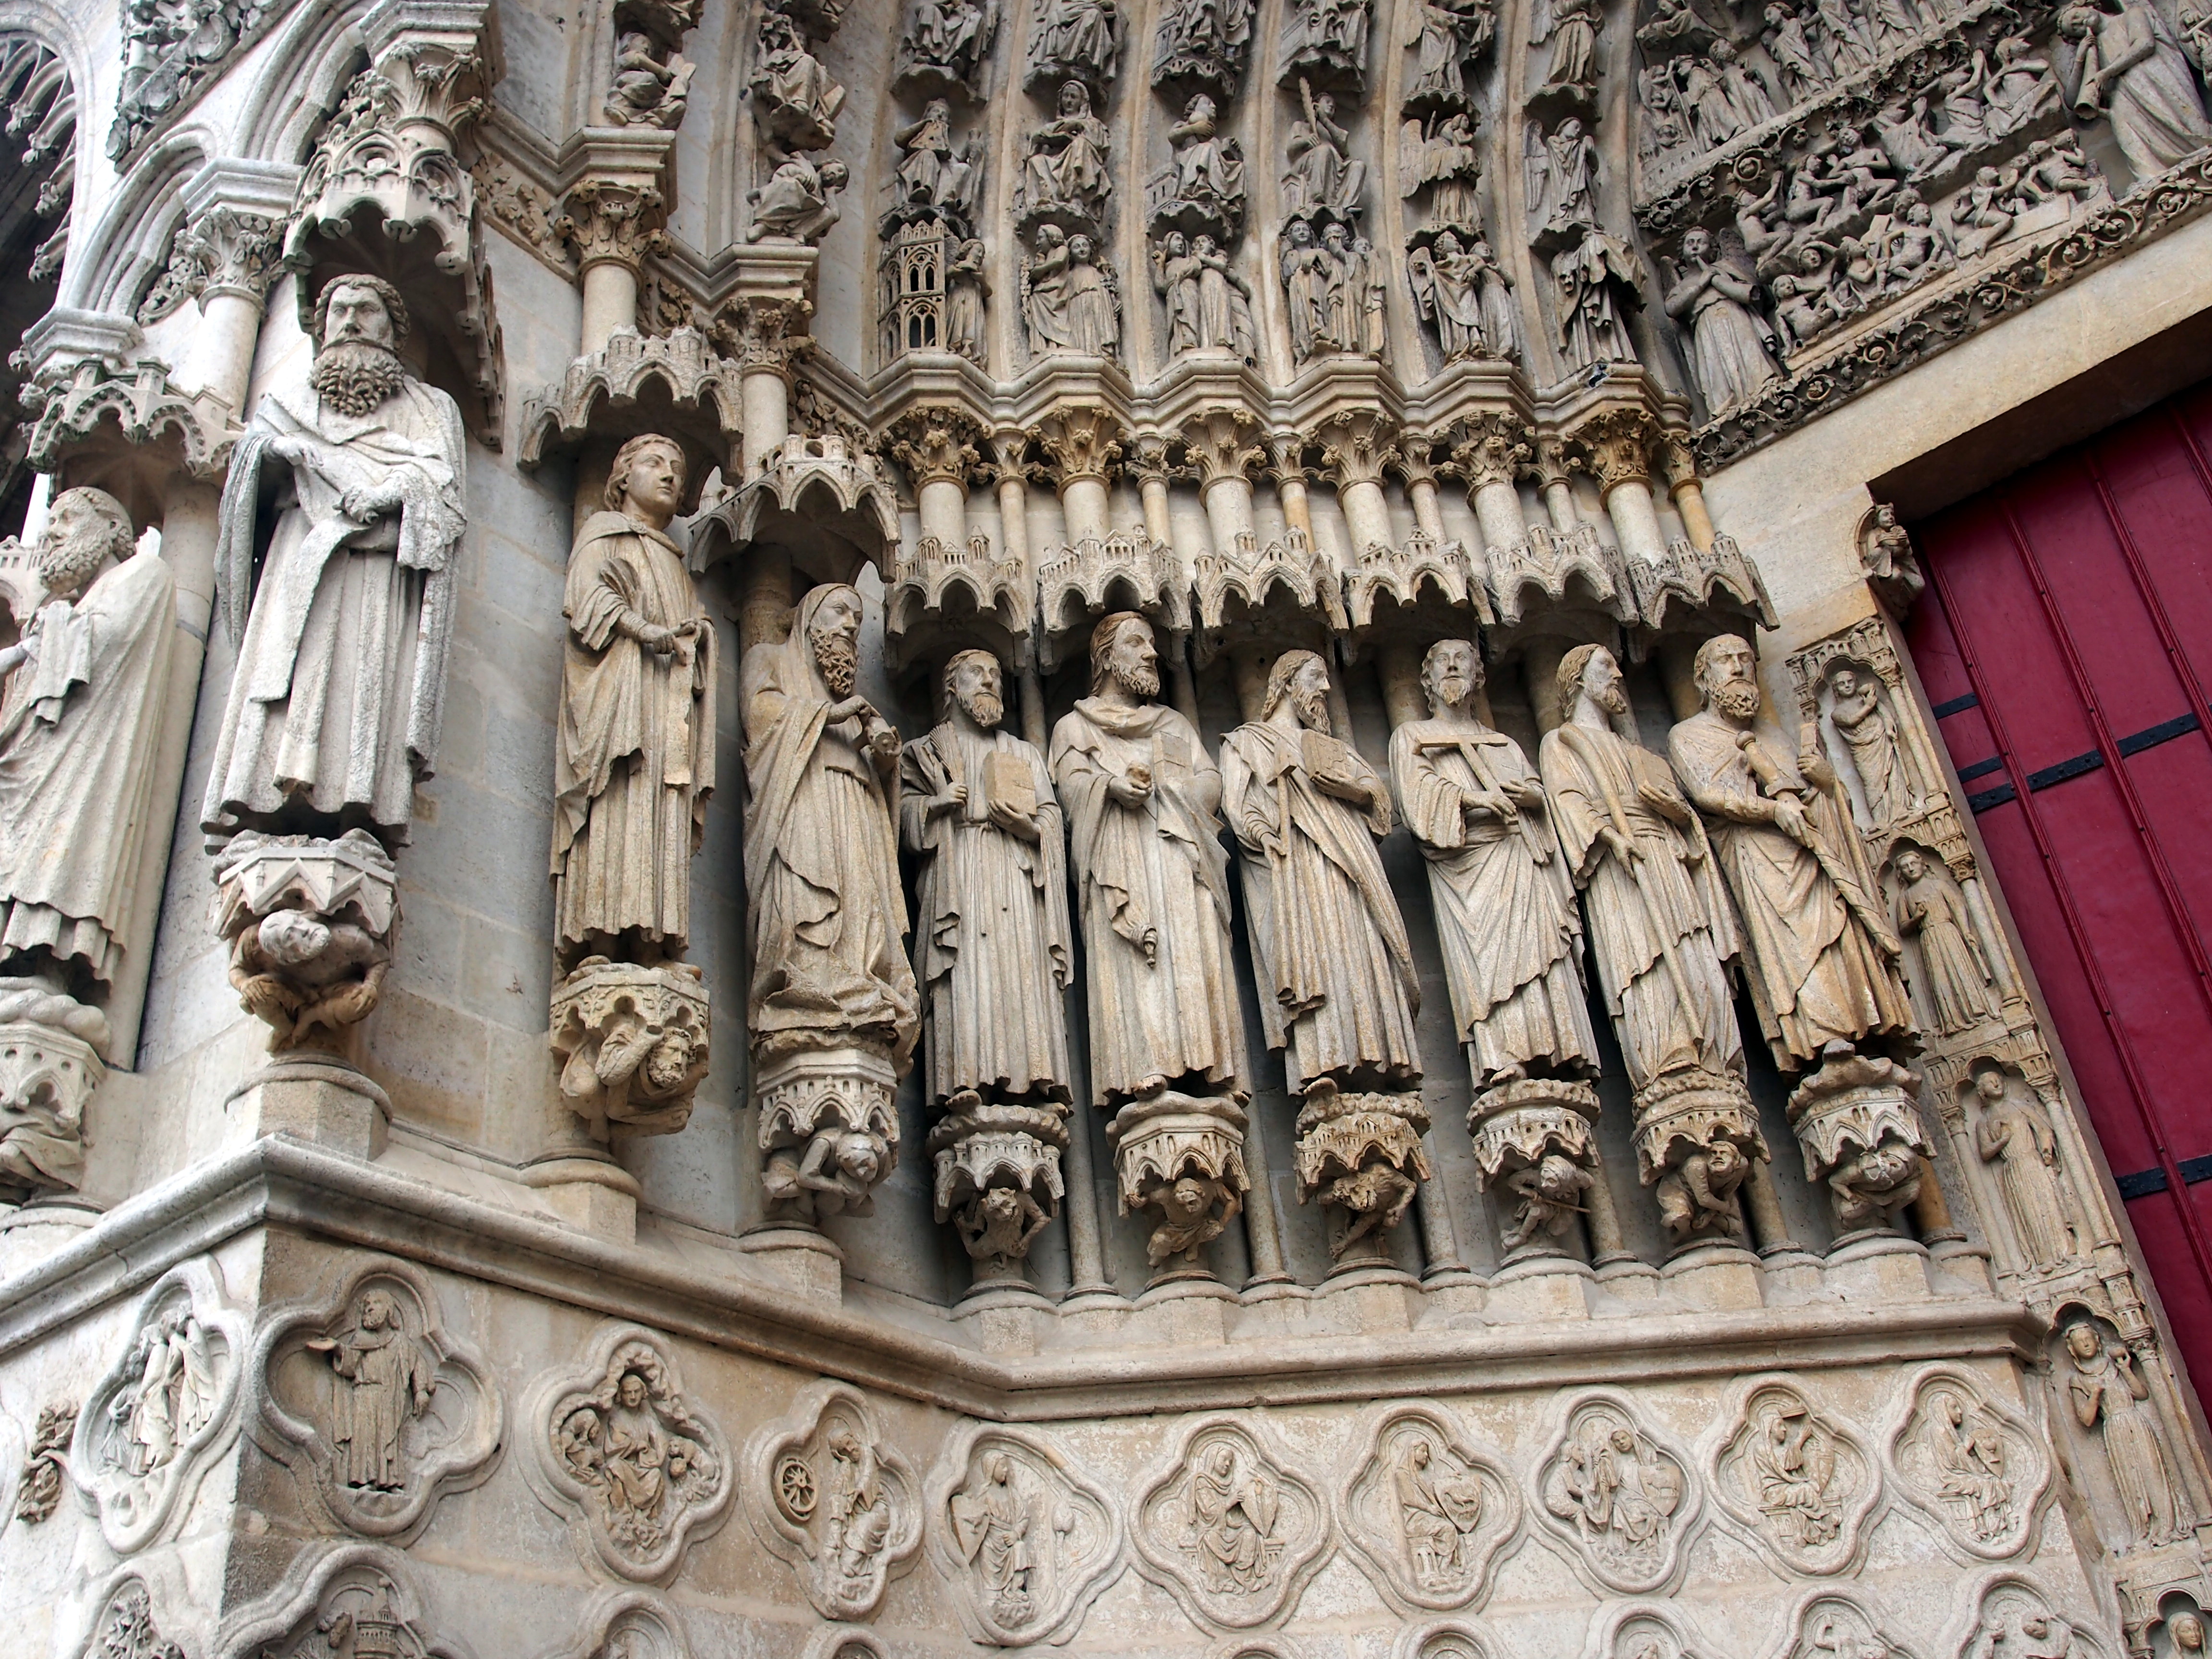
{"x": 85, "y": 528}
{"x": 1122, "y": 649}
{"x": 833, "y": 634}
{"x": 361, "y": 322}
{"x": 972, "y": 681}
{"x": 1726, "y": 676}
{"x": 1303, "y": 677}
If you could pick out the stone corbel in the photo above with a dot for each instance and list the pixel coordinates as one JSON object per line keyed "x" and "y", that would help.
{"x": 393, "y": 148}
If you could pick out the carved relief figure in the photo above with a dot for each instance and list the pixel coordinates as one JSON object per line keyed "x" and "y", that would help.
{"x": 1209, "y": 305}
{"x": 793, "y": 97}
{"x": 1208, "y": 169}
{"x": 647, "y": 1466}
{"x": 2128, "y": 66}
{"x": 2012, "y": 1136}
{"x": 949, "y": 40}
{"x": 384, "y": 1375}
{"x": 1468, "y": 296}
{"x": 1069, "y": 302}
{"x": 1563, "y": 172}
{"x": 169, "y": 1396}
{"x": 334, "y": 709}
{"x": 1320, "y": 178}
{"x": 1069, "y": 169}
{"x": 799, "y": 202}
{"x": 840, "y": 1504}
{"x": 1233, "y": 1508}
{"x": 1619, "y": 1492}
{"x": 1443, "y": 160}
{"x": 1967, "y": 1450}
{"x": 1595, "y": 282}
{"x": 1505, "y": 915}
{"x": 1793, "y": 1461}
{"x": 1729, "y": 347}
{"x": 1439, "y": 1511}
{"x": 1449, "y": 34}
{"x": 1022, "y": 1536}
{"x": 1140, "y": 793}
{"x": 2110, "y": 1398}
{"x": 1870, "y": 737}
{"x": 1571, "y": 26}
{"x": 821, "y": 843}
{"x": 1203, "y": 41}
{"x": 1955, "y": 975}
{"x": 1077, "y": 39}
{"x": 999, "y": 1530}
{"x": 634, "y": 761}
{"x": 80, "y": 723}
{"x": 1325, "y": 39}
{"x": 651, "y": 83}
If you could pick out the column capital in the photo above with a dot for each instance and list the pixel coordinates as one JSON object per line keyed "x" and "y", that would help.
{"x": 765, "y": 333}
{"x": 1414, "y": 459}
{"x": 1489, "y": 449}
{"x": 1219, "y": 445}
{"x": 1358, "y": 446}
{"x": 221, "y": 250}
{"x": 1149, "y": 461}
{"x": 1616, "y": 446}
{"x": 1083, "y": 441}
{"x": 935, "y": 443}
{"x": 611, "y": 222}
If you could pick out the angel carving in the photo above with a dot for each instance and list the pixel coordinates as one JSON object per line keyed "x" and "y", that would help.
{"x": 1563, "y": 172}
{"x": 1442, "y": 160}
{"x": 1571, "y": 26}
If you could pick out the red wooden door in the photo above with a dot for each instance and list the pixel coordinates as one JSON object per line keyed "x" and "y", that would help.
{"x": 2066, "y": 644}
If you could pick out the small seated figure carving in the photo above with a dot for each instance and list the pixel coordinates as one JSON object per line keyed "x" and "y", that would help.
{"x": 1551, "y": 1192}
{"x": 1700, "y": 1191}
{"x": 297, "y": 972}
{"x": 831, "y": 1174}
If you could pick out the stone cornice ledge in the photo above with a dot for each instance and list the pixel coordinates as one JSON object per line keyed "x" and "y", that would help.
{"x": 281, "y": 1182}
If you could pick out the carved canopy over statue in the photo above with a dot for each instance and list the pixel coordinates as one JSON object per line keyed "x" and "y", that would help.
{"x": 339, "y": 692}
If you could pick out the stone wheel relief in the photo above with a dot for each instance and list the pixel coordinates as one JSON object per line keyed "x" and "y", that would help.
{"x": 827, "y": 1494}
{"x": 388, "y": 1410}
{"x": 1830, "y": 1625}
{"x": 1426, "y": 1511}
{"x": 166, "y": 1408}
{"x": 1623, "y": 1499}
{"x": 628, "y": 1624}
{"x": 1970, "y": 1461}
{"x": 1024, "y": 1538}
{"x": 616, "y": 1447}
{"x": 354, "y": 1600}
{"x": 1800, "y": 1481}
{"x": 2014, "y": 1615}
{"x": 1225, "y": 1528}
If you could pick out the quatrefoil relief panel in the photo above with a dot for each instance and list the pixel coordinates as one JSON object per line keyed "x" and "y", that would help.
{"x": 166, "y": 1409}
{"x": 367, "y": 1394}
{"x": 1971, "y": 1461}
{"x": 1800, "y": 1480}
{"x": 1623, "y": 1498}
{"x": 828, "y": 1493}
{"x": 618, "y": 1448}
{"x": 1229, "y": 1530}
{"x": 1428, "y": 1512}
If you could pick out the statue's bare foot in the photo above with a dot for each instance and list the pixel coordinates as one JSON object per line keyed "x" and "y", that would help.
{"x": 962, "y": 1100}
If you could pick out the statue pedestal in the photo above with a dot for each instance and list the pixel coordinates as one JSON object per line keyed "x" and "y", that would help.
{"x": 319, "y": 1099}
{"x": 998, "y": 1179}
{"x": 828, "y": 1132}
{"x": 1533, "y": 1135}
{"x": 1362, "y": 1154}
{"x": 1697, "y": 1138}
{"x": 591, "y": 1192}
{"x": 634, "y": 1044}
{"x": 1861, "y": 1137}
{"x": 53, "y": 1060}
{"x": 799, "y": 1259}
{"x": 1181, "y": 1158}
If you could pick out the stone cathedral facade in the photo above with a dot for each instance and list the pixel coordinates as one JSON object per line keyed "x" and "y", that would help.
{"x": 863, "y": 828}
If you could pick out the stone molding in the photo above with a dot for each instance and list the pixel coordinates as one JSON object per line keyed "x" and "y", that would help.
{"x": 292, "y": 1430}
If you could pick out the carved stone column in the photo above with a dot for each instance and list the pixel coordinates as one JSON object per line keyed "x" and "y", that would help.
{"x": 1489, "y": 455}
{"x": 1148, "y": 464}
{"x": 1555, "y": 480}
{"x": 225, "y": 258}
{"x": 1222, "y": 451}
{"x": 768, "y": 337}
{"x": 1083, "y": 443}
{"x": 1619, "y": 447}
{"x": 1687, "y": 491}
{"x": 1358, "y": 449}
{"x": 1415, "y": 463}
{"x": 1286, "y": 467}
{"x": 935, "y": 443}
{"x": 612, "y": 218}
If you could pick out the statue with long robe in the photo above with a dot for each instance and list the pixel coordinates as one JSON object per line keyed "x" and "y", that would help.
{"x": 1819, "y": 957}
{"x": 81, "y": 714}
{"x": 2012, "y": 1136}
{"x": 634, "y": 756}
{"x": 1141, "y": 794}
{"x": 992, "y": 946}
{"x": 384, "y": 1377}
{"x": 1339, "y": 992}
{"x": 336, "y": 703}
{"x": 1506, "y": 912}
{"x": 829, "y": 916}
{"x": 1660, "y": 923}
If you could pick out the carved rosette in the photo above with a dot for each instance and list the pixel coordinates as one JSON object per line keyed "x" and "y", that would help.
{"x": 1684, "y": 1119}
{"x": 52, "y": 1060}
{"x": 310, "y": 923}
{"x": 634, "y": 1044}
{"x": 1361, "y": 1154}
{"x": 618, "y": 1449}
{"x": 829, "y": 1495}
{"x": 1228, "y": 1527}
{"x": 364, "y": 1591}
{"x": 1429, "y": 1513}
{"x": 1971, "y": 1461}
{"x": 1861, "y": 1137}
{"x": 998, "y": 1180}
{"x": 388, "y": 1411}
{"x": 1024, "y": 1536}
{"x": 1515, "y": 1127}
{"x": 1181, "y": 1159}
{"x": 165, "y": 1410}
{"x": 1800, "y": 1481}
{"x": 1623, "y": 1499}
{"x": 840, "y": 1098}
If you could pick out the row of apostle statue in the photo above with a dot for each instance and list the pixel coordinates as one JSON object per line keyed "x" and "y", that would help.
{"x": 1724, "y": 853}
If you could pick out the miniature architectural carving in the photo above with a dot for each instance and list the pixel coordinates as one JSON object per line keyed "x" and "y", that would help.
{"x": 1661, "y": 926}
{"x": 1228, "y": 1528}
{"x": 1167, "y": 1053}
{"x": 828, "y": 1496}
{"x": 1023, "y": 1534}
{"x": 833, "y": 1010}
{"x": 618, "y": 1448}
{"x": 995, "y": 954}
{"x": 1338, "y": 993}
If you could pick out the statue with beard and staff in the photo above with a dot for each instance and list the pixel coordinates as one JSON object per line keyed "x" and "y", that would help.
{"x": 993, "y": 951}
{"x": 634, "y": 765}
{"x": 80, "y": 728}
{"x": 1819, "y": 954}
{"x": 1330, "y": 946}
{"x": 1661, "y": 929}
{"x": 1510, "y": 934}
{"x": 1167, "y": 1037}
{"x": 336, "y": 703}
{"x": 832, "y": 1000}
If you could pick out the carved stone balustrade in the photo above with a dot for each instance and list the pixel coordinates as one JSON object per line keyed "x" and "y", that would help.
{"x": 1124, "y": 570}
{"x": 1550, "y": 563}
{"x": 1399, "y": 572}
{"x": 1720, "y": 578}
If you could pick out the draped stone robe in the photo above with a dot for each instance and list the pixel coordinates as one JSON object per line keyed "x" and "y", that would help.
{"x": 80, "y": 728}
{"x": 1814, "y": 971}
{"x": 1671, "y": 896}
{"x": 1511, "y": 938}
{"x": 633, "y": 760}
{"x": 1155, "y": 871}
{"x": 1336, "y": 973}
{"x": 334, "y": 708}
{"x": 828, "y": 916}
{"x": 384, "y": 1372}
{"x": 991, "y": 940}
